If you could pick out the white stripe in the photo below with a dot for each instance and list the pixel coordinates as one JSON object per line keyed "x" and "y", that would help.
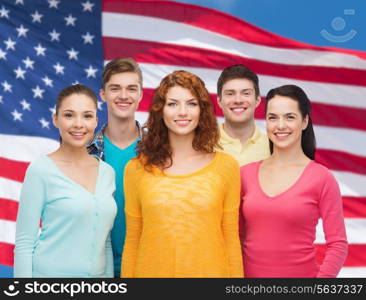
{"x": 327, "y": 93}
{"x": 166, "y": 31}
{"x": 10, "y": 189}
{"x": 355, "y": 229}
{"x": 349, "y": 272}
{"x": 7, "y": 231}
{"x": 25, "y": 148}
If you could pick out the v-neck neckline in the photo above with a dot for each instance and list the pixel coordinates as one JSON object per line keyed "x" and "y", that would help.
{"x": 291, "y": 187}
{"x": 73, "y": 181}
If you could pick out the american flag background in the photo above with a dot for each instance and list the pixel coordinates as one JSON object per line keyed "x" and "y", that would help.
{"x": 46, "y": 45}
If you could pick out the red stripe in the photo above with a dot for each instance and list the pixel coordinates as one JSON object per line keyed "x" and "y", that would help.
{"x": 212, "y": 20}
{"x": 12, "y": 169}
{"x": 356, "y": 255}
{"x": 8, "y": 209}
{"x": 354, "y": 207}
{"x": 7, "y": 254}
{"x": 162, "y": 53}
{"x": 341, "y": 161}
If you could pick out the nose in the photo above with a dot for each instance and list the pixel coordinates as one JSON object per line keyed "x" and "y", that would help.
{"x": 281, "y": 123}
{"x": 78, "y": 122}
{"x": 182, "y": 110}
{"x": 123, "y": 93}
{"x": 238, "y": 99}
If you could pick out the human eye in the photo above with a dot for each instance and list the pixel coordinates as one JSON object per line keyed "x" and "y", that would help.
{"x": 67, "y": 115}
{"x": 132, "y": 89}
{"x": 88, "y": 116}
{"x": 193, "y": 103}
{"x": 171, "y": 104}
{"x": 271, "y": 117}
{"x": 291, "y": 117}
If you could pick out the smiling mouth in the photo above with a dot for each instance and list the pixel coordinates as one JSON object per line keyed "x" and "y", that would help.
{"x": 238, "y": 110}
{"x": 182, "y": 122}
{"x": 123, "y": 105}
{"x": 77, "y": 135}
{"x": 282, "y": 134}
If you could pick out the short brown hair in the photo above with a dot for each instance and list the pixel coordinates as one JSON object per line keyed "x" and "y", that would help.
{"x": 237, "y": 72}
{"x": 154, "y": 148}
{"x": 121, "y": 65}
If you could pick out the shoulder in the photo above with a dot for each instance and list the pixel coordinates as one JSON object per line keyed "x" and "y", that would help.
{"x": 39, "y": 165}
{"x": 249, "y": 168}
{"x": 106, "y": 167}
{"x": 134, "y": 165}
{"x": 319, "y": 170}
{"x": 226, "y": 159}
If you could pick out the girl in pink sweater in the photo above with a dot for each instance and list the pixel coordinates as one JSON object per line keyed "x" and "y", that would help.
{"x": 284, "y": 196}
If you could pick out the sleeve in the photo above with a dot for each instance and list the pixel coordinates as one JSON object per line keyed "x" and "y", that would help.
{"x": 109, "y": 268}
{"x": 31, "y": 203}
{"x": 241, "y": 217}
{"x": 331, "y": 211}
{"x": 133, "y": 220}
{"x": 230, "y": 222}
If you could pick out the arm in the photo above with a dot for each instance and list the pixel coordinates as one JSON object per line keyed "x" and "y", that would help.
{"x": 230, "y": 222}
{"x": 331, "y": 212}
{"x": 241, "y": 217}
{"x": 133, "y": 220}
{"x": 32, "y": 198}
{"x": 109, "y": 269}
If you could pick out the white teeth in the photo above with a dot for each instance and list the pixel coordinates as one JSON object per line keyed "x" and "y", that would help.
{"x": 77, "y": 134}
{"x": 123, "y": 104}
{"x": 282, "y": 134}
{"x": 182, "y": 122}
{"x": 238, "y": 109}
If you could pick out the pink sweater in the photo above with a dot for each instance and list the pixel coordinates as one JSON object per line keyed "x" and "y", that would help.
{"x": 277, "y": 233}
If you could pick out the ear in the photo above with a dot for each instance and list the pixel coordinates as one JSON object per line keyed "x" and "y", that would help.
{"x": 141, "y": 94}
{"x": 305, "y": 122}
{"x": 219, "y": 101}
{"x": 55, "y": 120}
{"x": 257, "y": 101}
{"x": 101, "y": 94}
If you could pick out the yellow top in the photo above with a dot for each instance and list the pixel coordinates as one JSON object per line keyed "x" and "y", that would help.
{"x": 183, "y": 225}
{"x": 255, "y": 148}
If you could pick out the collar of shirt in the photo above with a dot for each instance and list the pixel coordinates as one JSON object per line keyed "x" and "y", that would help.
{"x": 96, "y": 146}
{"x": 226, "y": 139}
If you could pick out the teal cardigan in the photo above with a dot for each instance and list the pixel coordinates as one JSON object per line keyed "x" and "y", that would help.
{"x": 74, "y": 240}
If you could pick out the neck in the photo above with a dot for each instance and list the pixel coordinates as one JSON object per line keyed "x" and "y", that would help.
{"x": 293, "y": 155}
{"x": 122, "y": 131}
{"x": 72, "y": 154}
{"x": 241, "y": 131}
{"x": 181, "y": 146}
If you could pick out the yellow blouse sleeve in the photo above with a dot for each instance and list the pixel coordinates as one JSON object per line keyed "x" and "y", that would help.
{"x": 133, "y": 218}
{"x": 230, "y": 221}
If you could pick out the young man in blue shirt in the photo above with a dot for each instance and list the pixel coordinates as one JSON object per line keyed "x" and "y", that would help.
{"x": 116, "y": 142}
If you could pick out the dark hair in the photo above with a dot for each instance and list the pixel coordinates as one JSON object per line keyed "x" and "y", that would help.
{"x": 294, "y": 92}
{"x": 154, "y": 148}
{"x": 74, "y": 89}
{"x": 237, "y": 72}
{"x": 121, "y": 65}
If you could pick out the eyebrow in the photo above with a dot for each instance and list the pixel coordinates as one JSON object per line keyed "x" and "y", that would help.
{"x": 118, "y": 85}
{"x": 70, "y": 110}
{"x": 175, "y": 100}
{"x": 286, "y": 114}
{"x": 248, "y": 89}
